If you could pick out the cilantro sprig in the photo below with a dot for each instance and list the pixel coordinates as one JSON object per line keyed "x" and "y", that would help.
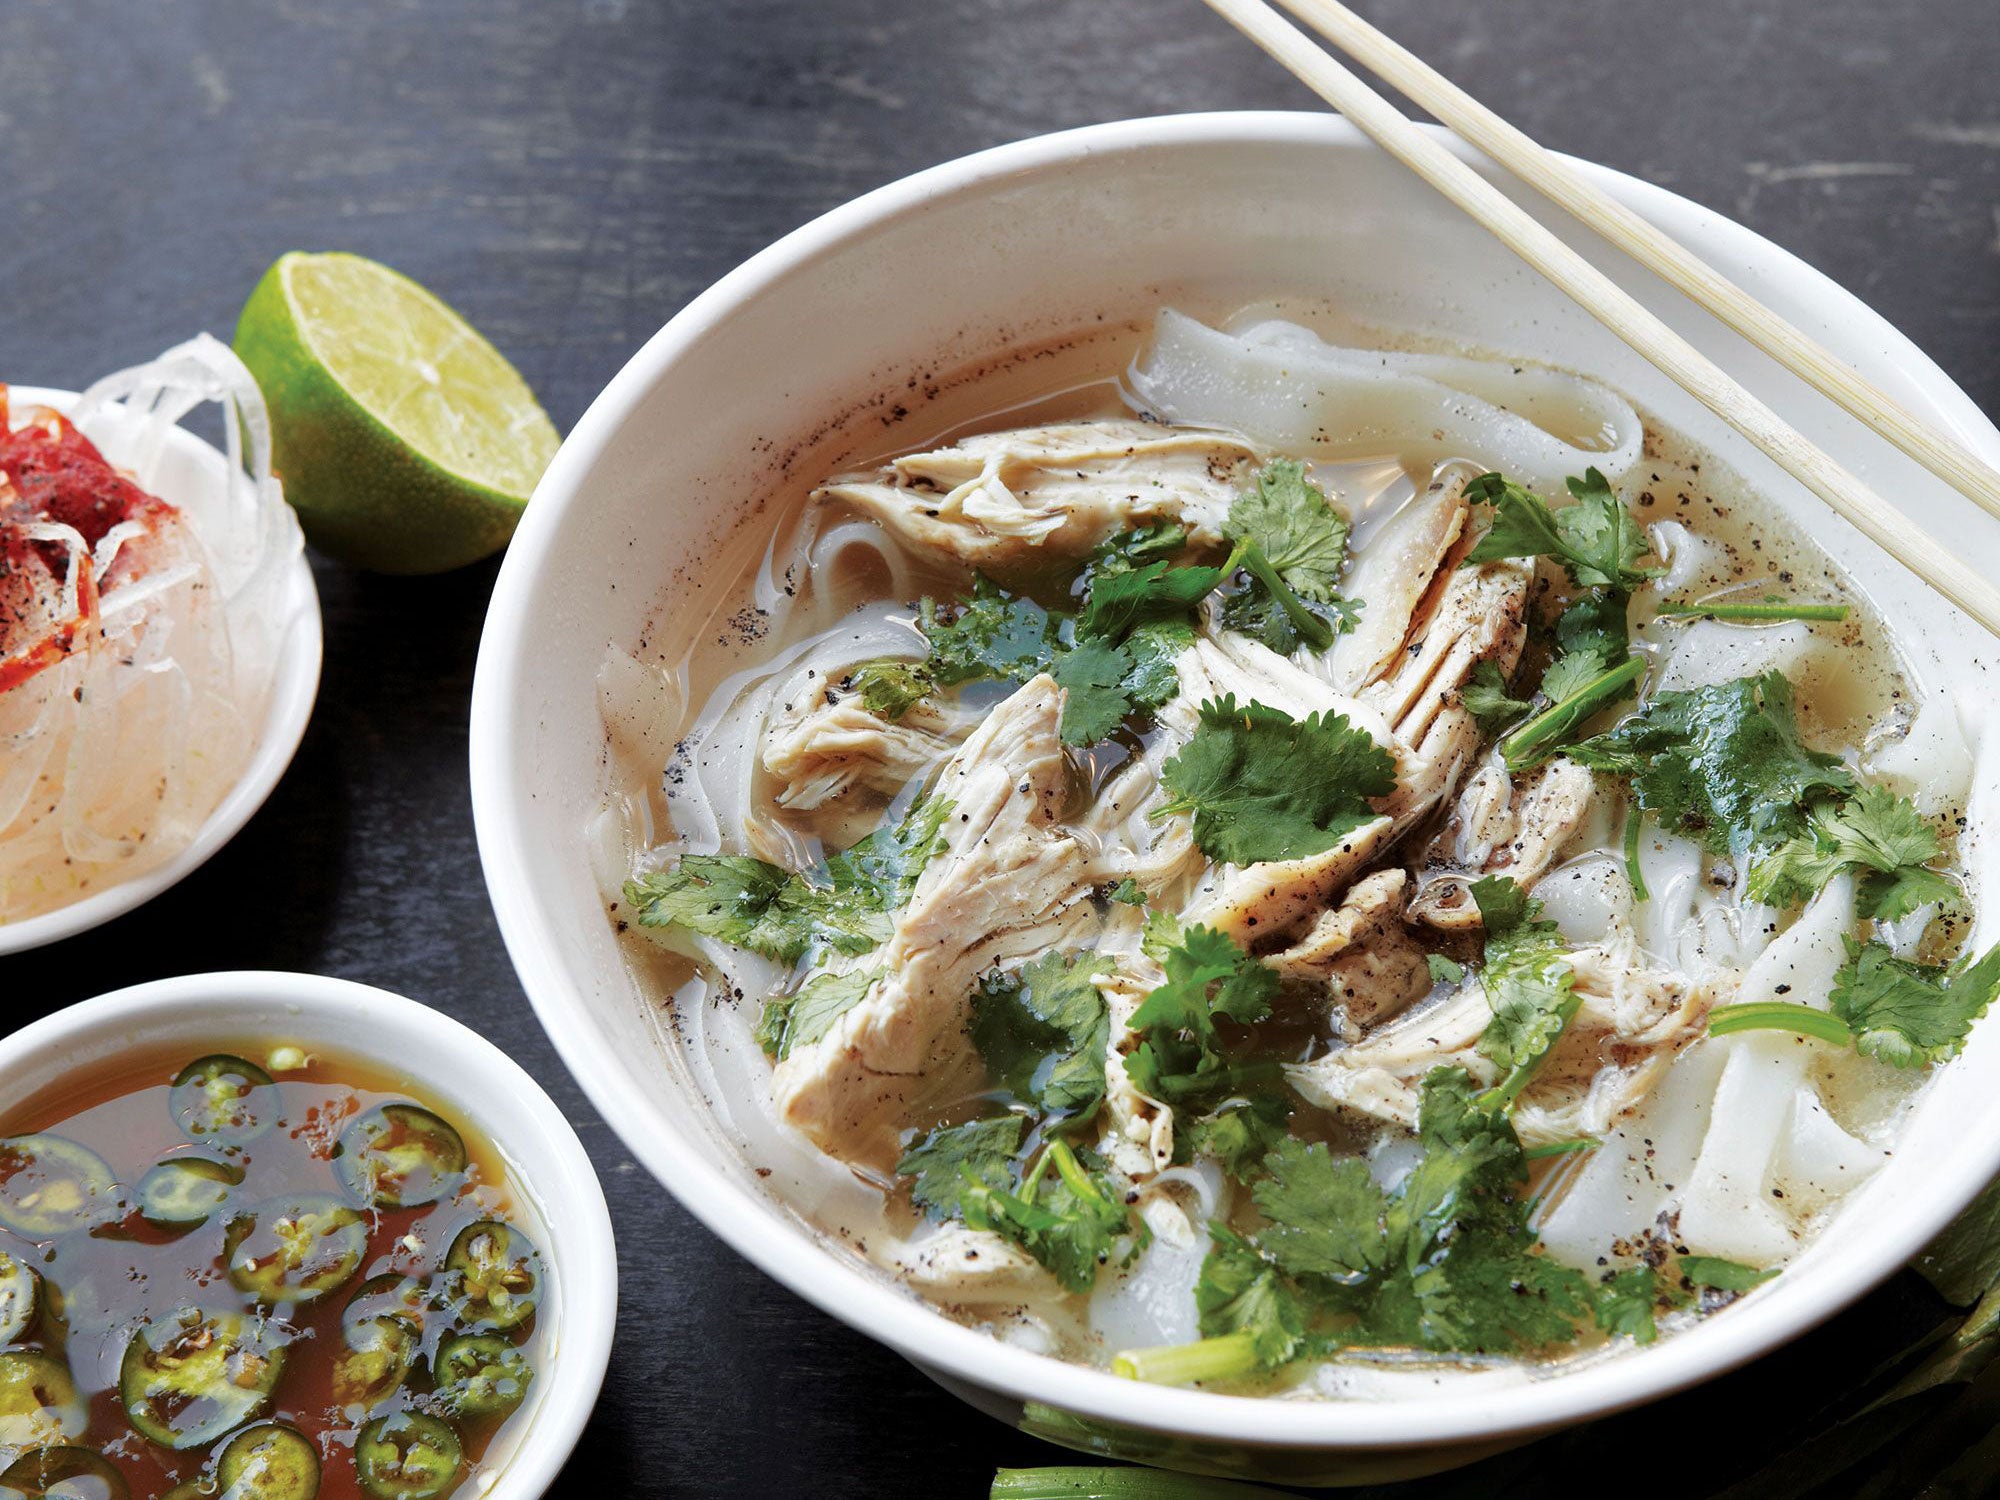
{"x": 1181, "y": 1055}
{"x": 1528, "y": 984}
{"x": 1444, "y": 1260}
{"x": 1724, "y": 764}
{"x": 1071, "y": 1221}
{"x": 1595, "y": 537}
{"x": 1043, "y": 1031}
{"x": 1877, "y": 835}
{"x": 842, "y": 904}
{"x": 1905, "y": 1014}
{"x": 1262, "y": 785}
{"x": 1727, "y": 764}
{"x": 1292, "y": 545}
{"x": 1113, "y": 656}
{"x": 1599, "y": 544}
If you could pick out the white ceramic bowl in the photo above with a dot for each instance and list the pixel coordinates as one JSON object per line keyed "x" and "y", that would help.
{"x": 184, "y": 463}
{"x": 831, "y": 324}
{"x": 469, "y": 1079}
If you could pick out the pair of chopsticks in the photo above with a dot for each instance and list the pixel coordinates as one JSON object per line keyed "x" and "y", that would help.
{"x": 1597, "y": 294}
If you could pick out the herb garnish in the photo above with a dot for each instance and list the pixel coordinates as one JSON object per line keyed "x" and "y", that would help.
{"x": 1207, "y": 975}
{"x": 1042, "y": 1032}
{"x": 1599, "y": 545}
{"x": 1293, "y": 545}
{"x": 1723, "y": 764}
{"x": 1771, "y": 609}
{"x": 1263, "y": 785}
{"x": 1902, "y": 1013}
{"x": 1528, "y": 985}
{"x": 1876, "y": 834}
{"x": 844, "y": 903}
{"x": 1595, "y": 537}
{"x": 1444, "y": 1260}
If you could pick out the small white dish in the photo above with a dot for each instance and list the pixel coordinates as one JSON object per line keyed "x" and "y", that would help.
{"x": 848, "y": 319}
{"x": 444, "y": 1064}
{"x": 186, "y": 461}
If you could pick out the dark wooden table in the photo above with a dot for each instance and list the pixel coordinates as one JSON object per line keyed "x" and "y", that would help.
{"x": 569, "y": 173}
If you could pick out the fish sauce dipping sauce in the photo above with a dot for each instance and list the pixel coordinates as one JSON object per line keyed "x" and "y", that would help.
{"x": 1257, "y": 860}
{"x": 259, "y": 1273}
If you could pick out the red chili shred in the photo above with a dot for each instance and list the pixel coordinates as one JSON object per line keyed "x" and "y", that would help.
{"x": 57, "y": 474}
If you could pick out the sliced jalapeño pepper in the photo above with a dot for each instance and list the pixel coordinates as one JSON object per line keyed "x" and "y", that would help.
{"x": 20, "y": 1297}
{"x": 268, "y": 1462}
{"x": 399, "y": 1156}
{"x": 481, "y": 1375}
{"x": 382, "y": 1328}
{"x": 492, "y": 1277}
{"x": 223, "y": 1100}
{"x": 39, "y": 1402}
{"x": 407, "y": 1456}
{"x": 62, "y": 1474}
{"x": 293, "y": 1250}
{"x": 188, "y": 1379}
{"x": 184, "y": 1191}
{"x": 50, "y": 1186}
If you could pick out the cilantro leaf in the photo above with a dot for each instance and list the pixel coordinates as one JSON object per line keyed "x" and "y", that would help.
{"x": 754, "y": 905}
{"x": 1129, "y": 892}
{"x": 1908, "y": 1014}
{"x": 1485, "y": 698}
{"x": 1120, "y": 602}
{"x": 1070, "y": 1223}
{"x": 843, "y": 904}
{"x": 1595, "y": 537}
{"x": 798, "y": 1020}
{"x": 1293, "y": 545}
{"x": 1113, "y": 659}
{"x": 1876, "y": 833}
{"x": 1594, "y": 625}
{"x": 1042, "y": 1032}
{"x": 1444, "y": 970}
{"x": 1092, "y": 676}
{"x": 889, "y": 689}
{"x": 1155, "y": 649}
{"x": 1326, "y": 1215}
{"x": 1528, "y": 984}
{"x": 1240, "y": 1136}
{"x": 1155, "y": 542}
{"x": 1724, "y": 764}
{"x": 1284, "y": 622}
{"x": 1721, "y": 1275}
{"x": 1263, "y": 786}
{"x": 1208, "y": 976}
{"x": 1625, "y": 1302}
{"x": 1287, "y": 518}
{"x": 1569, "y": 675}
{"x": 991, "y": 634}
{"x": 881, "y": 871}
{"x": 1241, "y": 1291}
{"x": 984, "y": 1150}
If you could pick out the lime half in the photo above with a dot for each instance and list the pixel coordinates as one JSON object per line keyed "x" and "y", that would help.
{"x": 406, "y": 442}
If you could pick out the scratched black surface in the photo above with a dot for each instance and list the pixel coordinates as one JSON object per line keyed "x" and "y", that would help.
{"x": 569, "y": 173}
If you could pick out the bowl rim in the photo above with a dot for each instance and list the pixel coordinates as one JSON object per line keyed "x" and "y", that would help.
{"x": 566, "y": 1184}
{"x": 294, "y": 691}
{"x": 863, "y": 1299}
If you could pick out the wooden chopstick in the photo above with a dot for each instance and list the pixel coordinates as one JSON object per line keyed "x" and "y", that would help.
{"x": 1666, "y": 257}
{"x": 1597, "y": 294}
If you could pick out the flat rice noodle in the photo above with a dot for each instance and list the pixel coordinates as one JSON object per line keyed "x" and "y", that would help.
{"x": 1285, "y": 387}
